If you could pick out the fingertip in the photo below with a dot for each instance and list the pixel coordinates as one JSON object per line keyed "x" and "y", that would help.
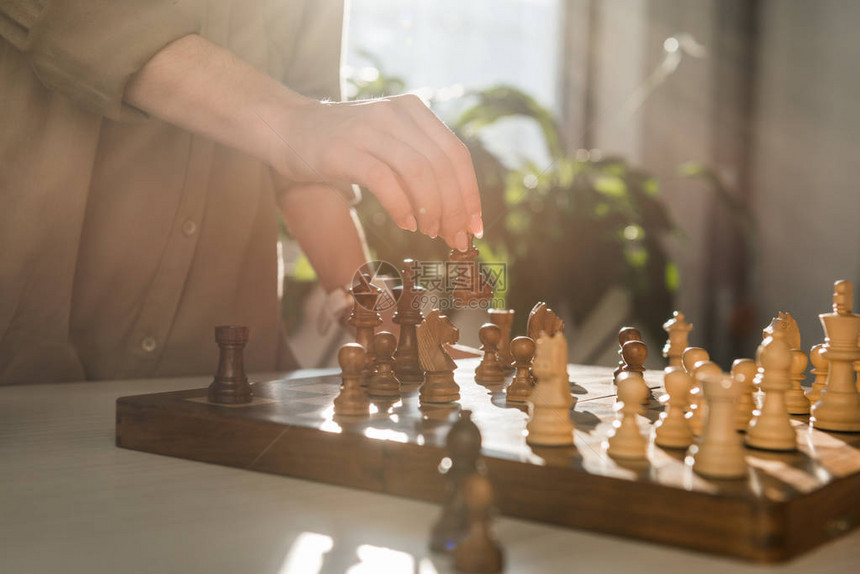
{"x": 461, "y": 242}
{"x": 476, "y": 226}
{"x": 410, "y": 224}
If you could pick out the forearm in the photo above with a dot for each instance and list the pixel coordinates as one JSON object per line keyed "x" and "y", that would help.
{"x": 198, "y": 86}
{"x": 327, "y": 231}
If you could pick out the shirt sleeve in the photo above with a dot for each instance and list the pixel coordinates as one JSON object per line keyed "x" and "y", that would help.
{"x": 88, "y": 49}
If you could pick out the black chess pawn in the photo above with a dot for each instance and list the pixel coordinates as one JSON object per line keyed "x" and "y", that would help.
{"x": 478, "y": 551}
{"x": 384, "y": 383}
{"x": 634, "y": 354}
{"x": 463, "y": 449}
{"x": 490, "y": 371}
{"x": 230, "y": 386}
{"x": 523, "y": 350}
{"x": 352, "y": 399}
{"x": 365, "y": 318}
{"x": 625, "y": 334}
{"x": 408, "y": 315}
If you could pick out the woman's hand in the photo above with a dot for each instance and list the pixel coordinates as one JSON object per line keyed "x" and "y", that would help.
{"x": 396, "y": 147}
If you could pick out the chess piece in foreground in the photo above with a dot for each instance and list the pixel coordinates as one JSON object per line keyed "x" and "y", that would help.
{"x": 365, "y": 318}
{"x": 673, "y": 430}
{"x": 678, "y": 330}
{"x": 490, "y": 371}
{"x": 504, "y": 318}
{"x": 720, "y": 452}
{"x": 352, "y": 399}
{"x": 795, "y": 400}
{"x": 550, "y": 401}
{"x": 230, "y": 386}
{"x": 696, "y": 405}
{"x": 384, "y": 383}
{"x": 463, "y": 450}
{"x": 744, "y": 372}
{"x": 408, "y": 315}
{"x": 625, "y": 334}
{"x": 542, "y": 319}
{"x": 478, "y": 552}
{"x": 433, "y": 333}
{"x": 820, "y": 368}
{"x": 469, "y": 285}
{"x": 700, "y": 369}
{"x": 520, "y": 389}
{"x": 770, "y": 428}
{"x": 625, "y": 439}
{"x": 838, "y": 407}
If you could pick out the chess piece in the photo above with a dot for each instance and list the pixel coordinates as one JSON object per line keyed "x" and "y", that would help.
{"x": 634, "y": 353}
{"x": 625, "y": 334}
{"x": 365, "y": 318}
{"x": 770, "y": 427}
{"x": 820, "y": 368}
{"x": 542, "y": 319}
{"x": 697, "y": 418}
{"x": 691, "y": 356}
{"x": 433, "y": 333}
{"x": 838, "y": 407}
{"x": 678, "y": 330}
{"x": 352, "y": 399}
{"x": 673, "y": 429}
{"x": 550, "y": 401}
{"x": 720, "y": 452}
{"x": 795, "y": 401}
{"x": 463, "y": 450}
{"x": 384, "y": 383}
{"x": 230, "y": 386}
{"x": 744, "y": 372}
{"x": 523, "y": 349}
{"x": 469, "y": 285}
{"x": 478, "y": 552}
{"x": 504, "y": 318}
{"x": 625, "y": 439}
{"x": 408, "y": 315}
{"x": 490, "y": 371}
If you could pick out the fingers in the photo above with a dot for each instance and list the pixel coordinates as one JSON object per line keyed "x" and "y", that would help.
{"x": 374, "y": 174}
{"x": 419, "y": 177}
{"x": 457, "y": 155}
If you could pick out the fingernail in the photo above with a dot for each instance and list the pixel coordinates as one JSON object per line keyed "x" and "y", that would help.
{"x": 411, "y": 224}
{"x": 433, "y": 230}
{"x": 460, "y": 241}
{"x": 476, "y": 226}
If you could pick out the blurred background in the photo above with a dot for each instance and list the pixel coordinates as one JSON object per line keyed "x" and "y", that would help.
{"x": 634, "y": 157}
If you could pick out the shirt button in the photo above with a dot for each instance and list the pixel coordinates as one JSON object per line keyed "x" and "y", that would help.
{"x": 189, "y": 228}
{"x": 148, "y": 344}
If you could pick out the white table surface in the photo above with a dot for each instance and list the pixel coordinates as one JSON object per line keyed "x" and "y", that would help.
{"x": 71, "y": 501}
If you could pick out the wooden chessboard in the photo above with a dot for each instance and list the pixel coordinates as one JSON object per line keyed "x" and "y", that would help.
{"x": 790, "y": 503}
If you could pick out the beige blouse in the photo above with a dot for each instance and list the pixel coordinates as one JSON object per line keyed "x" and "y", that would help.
{"x": 125, "y": 240}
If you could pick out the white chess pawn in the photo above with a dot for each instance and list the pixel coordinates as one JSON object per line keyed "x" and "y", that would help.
{"x": 770, "y": 428}
{"x": 744, "y": 372}
{"x": 625, "y": 439}
{"x": 550, "y": 401}
{"x": 838, "y": 407}
{"x": 673, "y": 429}
{"x": 678, "y": 330}
{"x": 691, "y": 356}
{"x": 820, "y": 368}
{"x": 720, "y": 453}
{"x": 697, "y": 416}
{"x": 795, "y": 401}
